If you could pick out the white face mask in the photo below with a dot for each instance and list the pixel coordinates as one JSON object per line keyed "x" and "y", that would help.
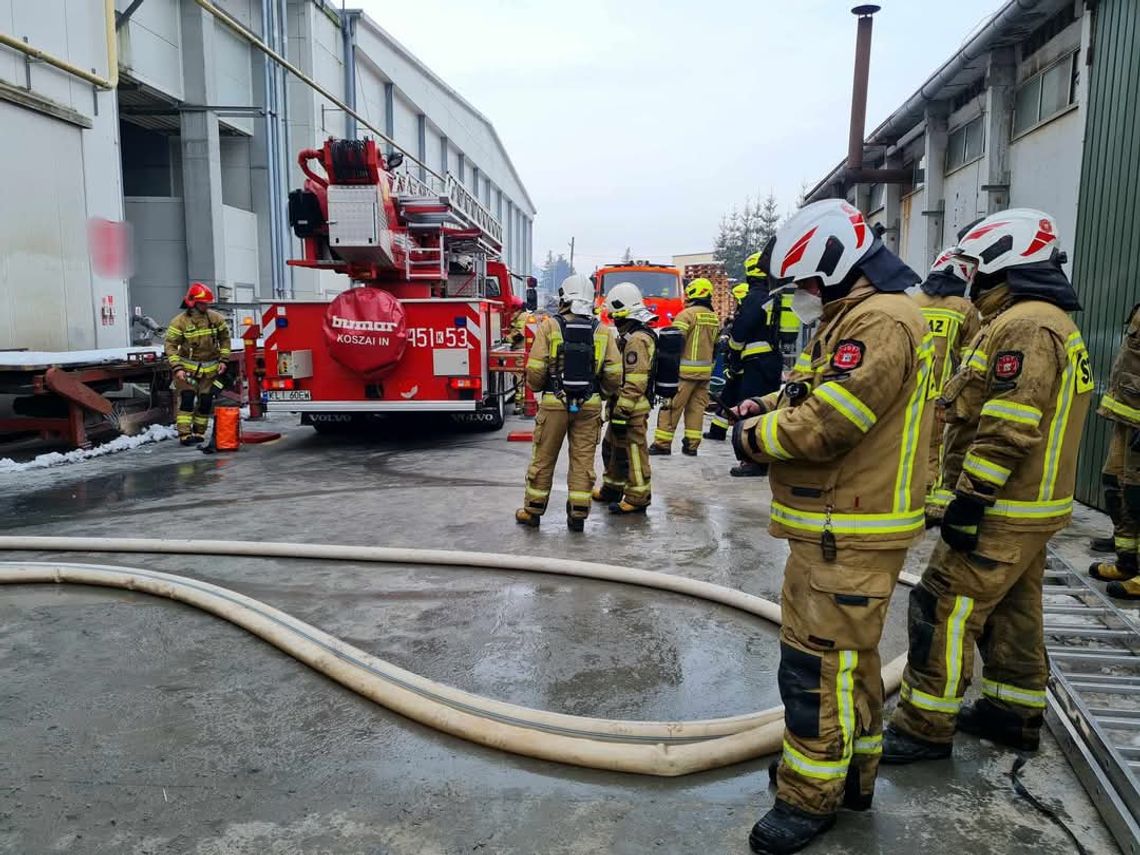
{"x": 807, "y": 307}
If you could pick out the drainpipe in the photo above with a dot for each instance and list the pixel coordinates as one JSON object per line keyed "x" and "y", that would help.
{"x": 272, "y": 156}
{"x": 348, "y": 34}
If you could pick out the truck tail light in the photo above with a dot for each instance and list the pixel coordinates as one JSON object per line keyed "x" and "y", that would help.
{"x": 281, "y": 383}
{"x": 465, "y": 383}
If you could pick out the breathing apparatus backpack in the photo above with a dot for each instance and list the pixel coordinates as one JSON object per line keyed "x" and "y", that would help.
{"x": 578, "y": 370}
{"x": 667, "y": 362}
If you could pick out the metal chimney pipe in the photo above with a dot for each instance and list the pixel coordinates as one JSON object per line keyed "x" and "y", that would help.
{"x": 859, "y": 89}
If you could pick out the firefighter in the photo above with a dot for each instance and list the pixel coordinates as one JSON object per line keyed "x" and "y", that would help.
{"x": 700, "y": 325}
{"x": 626, "y": 485}
{"x": 197, "y": 347}
{"x": 1023, "y": 390}
{"x": 1121, "y": 475}
{"x": 954, "y": 322}
{"x": 843, "y": 441}
{"x": 520, "y": 317}
{"x": 573, "y": 362}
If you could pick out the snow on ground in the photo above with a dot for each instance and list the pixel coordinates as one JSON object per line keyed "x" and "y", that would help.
{"x": 154, "y": 433}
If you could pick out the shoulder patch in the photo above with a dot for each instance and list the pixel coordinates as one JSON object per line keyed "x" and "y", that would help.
{"x": 1007, "y": 364}
{"x": 848, "y": 355}
{"x": 630, "y": 358}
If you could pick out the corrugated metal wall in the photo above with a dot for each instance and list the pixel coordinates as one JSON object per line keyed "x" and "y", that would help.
{"x": 1107, "y": 251}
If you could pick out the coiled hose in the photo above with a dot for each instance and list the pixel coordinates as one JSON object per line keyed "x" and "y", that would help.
{"x": 642, "y": 747}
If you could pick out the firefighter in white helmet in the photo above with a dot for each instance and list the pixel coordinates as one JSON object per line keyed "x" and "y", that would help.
{"x": 701, "y": 325}
{"x": 626, "y": 485}
{"x": 1020, "y": 398}
{"x": 954, "y": 322}
{"x": 845, "y": 442}
{"x": 573, "y": 363}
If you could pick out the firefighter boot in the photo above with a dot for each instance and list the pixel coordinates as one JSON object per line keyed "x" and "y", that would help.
{"x": 607, "y": 494}
{"x": 748, "y": 470}
{"x": 1129, "y": 589}
{"x": 687, "y": 449}
{"x": 525, "y": 517}
{"x": 576, "y": 523}
{"x": 716, "y": 432}
{"x": 658, "y": 448}
{"x": 786, "y": 829}
{"x": 623, "y": 507}
{"x": 1102, "y": 544}
{"x": 989, "y": 721}
{"x": 1120, "y": 570}
{"x": 901, "y": 748}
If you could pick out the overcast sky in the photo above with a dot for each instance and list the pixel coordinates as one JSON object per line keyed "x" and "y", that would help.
{"x": 639, "y": 123}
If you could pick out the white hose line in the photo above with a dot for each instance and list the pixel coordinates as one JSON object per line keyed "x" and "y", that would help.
{"x": 643, "y": 747}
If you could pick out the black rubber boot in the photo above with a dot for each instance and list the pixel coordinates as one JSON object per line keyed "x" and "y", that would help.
{"x": 688, "y": 450}
{"x": 786, "y": 829}
{"x": 1102, "y": 544}
{"x": 901, "y": 748}
{"x": 575, "y": 524}
{"x": 853, "y": 798}
{"x": 656, "y": 449}
{"x": 988, "y": 721}
{"x": 748, "y": 470}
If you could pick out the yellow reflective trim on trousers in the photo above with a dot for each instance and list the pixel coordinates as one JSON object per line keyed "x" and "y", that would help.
{"x": 1031, "y": 510}
{"x": 1011, "y": 411}
{"x": 1057, "y": 428}
{"x": 538, "y": 494}
{"x": 848, "y": 405}
{"x": 1012, "y": 694}
{"x": 940, "y": 497}
{"x": 869, "y": 744}
{"x": 635, "y": 468}
{"x": 912, "y": 425}
{"x": 663, "y": 435}
{"x": 1114, "y": 406}
{"x": 1124, "y": 544}
{"x": 580, "y": 495}
{"x": 692, "y": 434}
{"x": 931, "y": 703}
{"x": 823, "y": 770}
{"x": 862, "y": 524}
{"x": 984, "y": 469}
{"x": 845, "y": 698}
{"x": 768, "y": 431}
{"x": 955, "y": 636}
{"x": 720, "y": 421}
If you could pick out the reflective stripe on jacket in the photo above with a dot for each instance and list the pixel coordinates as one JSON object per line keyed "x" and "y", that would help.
{"x": 197, "y": 341}
{"x": 701, "y": 327}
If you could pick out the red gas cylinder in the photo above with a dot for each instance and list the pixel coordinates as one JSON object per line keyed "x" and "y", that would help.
{"x": 365, "y": 331}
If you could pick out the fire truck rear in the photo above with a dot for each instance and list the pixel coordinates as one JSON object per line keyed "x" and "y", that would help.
{"x": 429, "y": 304}
{"x": 660, "y": 285}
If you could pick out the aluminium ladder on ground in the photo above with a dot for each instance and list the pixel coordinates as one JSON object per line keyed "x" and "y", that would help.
{"x": 1093, "y": 702}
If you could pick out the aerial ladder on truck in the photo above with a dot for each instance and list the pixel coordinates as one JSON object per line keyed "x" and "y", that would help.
{"x": 425, "y": 323}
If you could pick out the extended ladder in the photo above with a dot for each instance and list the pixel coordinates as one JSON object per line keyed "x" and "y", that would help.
{"x": 445, "y": 214}
{"x": 1094, "y": 694}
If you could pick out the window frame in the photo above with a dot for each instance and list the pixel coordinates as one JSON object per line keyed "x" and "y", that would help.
{"x": 964, "y": 129}
{"x": 1038, "y": 79}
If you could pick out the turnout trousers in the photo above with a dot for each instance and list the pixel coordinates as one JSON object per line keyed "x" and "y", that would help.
{"x": 829, "y": 675}
{"x": 689, "y": 404}
{"x": 581, "y": 430}
{"x": 195, "y": 402}
{"x": 626, "y": 461}
{"x": 1121, "y": 480}
{"x": 993, "y": 601}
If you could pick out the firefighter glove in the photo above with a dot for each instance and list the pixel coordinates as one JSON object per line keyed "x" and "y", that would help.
{"x": 739, "y": 443}
{"x": 960, "y": 523}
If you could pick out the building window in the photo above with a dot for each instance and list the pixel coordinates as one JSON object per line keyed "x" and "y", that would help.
{"x": 918, "y": 176}
{"x": 876, "y": 197}
{"x": 1046, "y": 94}
{"x": 965, "y": 144}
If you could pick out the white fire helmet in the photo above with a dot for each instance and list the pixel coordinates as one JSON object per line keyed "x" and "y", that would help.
{"x": 822, "y": 240}
{"x": 951, "y": 263}
{"x": 625, "y": 301}
{"x": 1010, "y": 238}
{"x": 578, "y": 291}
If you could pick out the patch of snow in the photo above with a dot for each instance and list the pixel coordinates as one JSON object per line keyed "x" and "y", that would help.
{"x": 154, "y": 433}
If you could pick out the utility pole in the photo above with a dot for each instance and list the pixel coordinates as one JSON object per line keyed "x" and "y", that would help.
{"x": 571, "y": 254}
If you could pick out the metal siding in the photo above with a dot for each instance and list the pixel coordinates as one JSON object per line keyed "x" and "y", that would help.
{"x": 1108, "y": 221}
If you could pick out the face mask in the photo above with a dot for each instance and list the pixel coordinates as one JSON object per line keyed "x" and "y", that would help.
{"x": 807, "y": 307}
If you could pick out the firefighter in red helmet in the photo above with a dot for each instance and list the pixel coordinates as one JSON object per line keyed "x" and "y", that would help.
{"x": 197, "y": 347}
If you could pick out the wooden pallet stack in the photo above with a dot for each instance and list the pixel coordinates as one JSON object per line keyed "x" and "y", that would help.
{"x": 722, "y": 295}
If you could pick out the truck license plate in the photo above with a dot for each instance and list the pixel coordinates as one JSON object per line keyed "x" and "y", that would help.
{"x": 289, "y": 395}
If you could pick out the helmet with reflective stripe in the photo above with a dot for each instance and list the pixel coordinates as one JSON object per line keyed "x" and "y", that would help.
{"x": 824, "y": 240}
{"x": 624, "y": 301}
{"x": 1010, "y": 238}
{"x": 753, "y": 266}
{"x": 699, "y": 289}
{"x": 740, "y": 291}
{"x": 198, "y": 293}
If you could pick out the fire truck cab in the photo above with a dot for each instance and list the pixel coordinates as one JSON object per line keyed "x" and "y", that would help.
{"x": 429, "y": 301}
{"x": 660, "y": 285}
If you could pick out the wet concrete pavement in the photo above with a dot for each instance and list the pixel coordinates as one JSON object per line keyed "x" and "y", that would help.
{"x": 137, "y": 725}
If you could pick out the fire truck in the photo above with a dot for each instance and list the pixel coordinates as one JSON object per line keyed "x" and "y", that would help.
{"x": 423, "y": 327}
{"x": 659, "y": 284}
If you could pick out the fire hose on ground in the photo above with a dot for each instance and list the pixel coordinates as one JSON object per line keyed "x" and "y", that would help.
{"x": 641, "y": 747}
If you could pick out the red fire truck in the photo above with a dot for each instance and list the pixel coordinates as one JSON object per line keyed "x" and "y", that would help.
{"x": 660, "y": 285}
{"x": 423, "y": 328}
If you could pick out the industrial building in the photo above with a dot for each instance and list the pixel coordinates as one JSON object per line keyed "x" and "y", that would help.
{"x": 1034, "y": 111}
{"x": 172, "y": 116}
